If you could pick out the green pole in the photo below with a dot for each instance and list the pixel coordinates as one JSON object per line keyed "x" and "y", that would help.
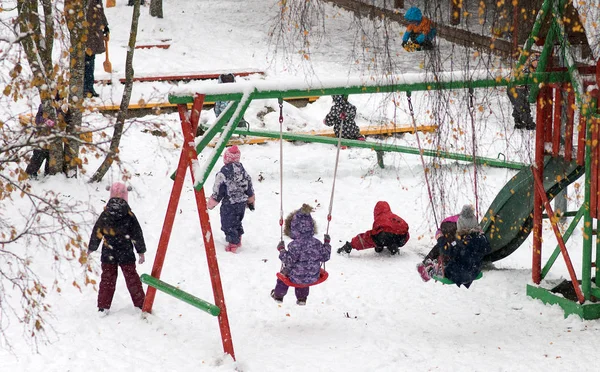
{"x": 546, "y": 52}
{"x": 382, "y": 147}
{"x": 227, "y": 133}
{"x": 260, "y": 93}
{"x": 566, "y": 237}
{"x": 211, "y": 132}
{"x": 586, "y": 273}
{"x": 537, "y": 26}
{"x": 180, "y": 295}
{"x": 597, "y": 119}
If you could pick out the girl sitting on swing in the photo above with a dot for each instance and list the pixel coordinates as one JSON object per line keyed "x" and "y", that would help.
{"x": 461, "y": 254}
{"x": 304, "y": 256}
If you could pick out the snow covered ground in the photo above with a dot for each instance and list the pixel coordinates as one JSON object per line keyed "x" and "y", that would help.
{"x": 374, "y": 313}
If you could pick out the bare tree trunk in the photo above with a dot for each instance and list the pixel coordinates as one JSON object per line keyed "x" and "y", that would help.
{"x": 75, "y": 13}
{"x": 38, "y": 49}
{"x": 118, "y": 129}
{"x": 156, "y": 9}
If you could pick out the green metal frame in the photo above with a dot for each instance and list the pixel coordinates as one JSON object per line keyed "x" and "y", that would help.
{"x": 229, "y": 119}
{"x": 557, "y": 33}
{"x": 586, "y": 311}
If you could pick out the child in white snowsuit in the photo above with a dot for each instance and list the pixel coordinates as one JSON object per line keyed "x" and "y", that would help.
{"x": 233, "y": 186}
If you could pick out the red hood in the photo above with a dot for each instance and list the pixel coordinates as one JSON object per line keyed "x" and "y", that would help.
{"x": 381, "y": 207}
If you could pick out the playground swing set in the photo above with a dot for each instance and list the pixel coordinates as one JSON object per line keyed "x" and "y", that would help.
{"x": 508, "y": 221}
{"x": 323, "y": 274}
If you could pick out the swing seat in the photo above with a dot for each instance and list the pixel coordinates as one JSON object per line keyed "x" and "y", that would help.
{"x": 323, "y": 275}
{"x": 444, "y": 280}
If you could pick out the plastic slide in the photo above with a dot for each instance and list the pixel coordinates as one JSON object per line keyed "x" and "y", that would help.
{"x": 509, "y": 220}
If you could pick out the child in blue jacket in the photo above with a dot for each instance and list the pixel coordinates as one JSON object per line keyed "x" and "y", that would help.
{"x": 419, "y": 31}
{"x": 233, "y": 186}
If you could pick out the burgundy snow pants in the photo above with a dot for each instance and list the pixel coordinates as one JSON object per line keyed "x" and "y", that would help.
{"x": 108, "y": 283}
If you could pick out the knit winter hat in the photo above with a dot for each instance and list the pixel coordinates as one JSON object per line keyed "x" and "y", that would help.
{"x": 119, "y": 190}
{"x": 232, "y": 155}
{"x": 466, "y": 219}
{"x": 300, "y": 222}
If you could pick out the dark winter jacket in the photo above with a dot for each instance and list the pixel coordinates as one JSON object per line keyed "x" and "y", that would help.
{"x": 342, "y": 115}
{"x": 232, "y": 184}
{"x": 303, "y": 258}
{"x": 465, "y": 257}
{"x": 120, "y": 230}
{"x": 97, "y": 24}
{"x": 385, "y": 221}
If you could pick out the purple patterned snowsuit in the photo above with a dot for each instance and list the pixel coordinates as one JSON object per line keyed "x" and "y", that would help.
{"x": 233, "y": 186}
{"x": 303, "y": 258}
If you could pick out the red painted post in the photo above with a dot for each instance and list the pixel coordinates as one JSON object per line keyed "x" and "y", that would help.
{"x": 539, "y": 185}
{"x": 536, "y": 264}
{"x": 569, "y": 125}
{"x": 165, "y": 234}
{"x": 581, "y": 128}
{"x": 557, "y": 120}
{"x": 189, "y": 130}
{"x": 547, "y": 96}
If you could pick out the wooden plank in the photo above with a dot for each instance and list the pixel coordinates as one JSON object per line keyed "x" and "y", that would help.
{"x": 151, "y": 46}
{"x": 180, "y": 76}
{"x": 161, "y": 105}
{"x": 369, "y": 131}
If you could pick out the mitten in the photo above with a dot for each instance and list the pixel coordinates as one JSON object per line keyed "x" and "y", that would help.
{"x": 211, "y": 203}
{"x": 327, "y": 239}
{"x": 250, "y": 202}
{"x": 281, "y": 246}
{"x": 346, "y": 248}
{"x": 404, "y": 44}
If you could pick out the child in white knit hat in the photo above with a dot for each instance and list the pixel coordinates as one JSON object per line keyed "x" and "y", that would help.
{"x": 463, "y": 254}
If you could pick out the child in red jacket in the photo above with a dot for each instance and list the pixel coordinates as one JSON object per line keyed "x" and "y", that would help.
{"x": 389, "y": 231}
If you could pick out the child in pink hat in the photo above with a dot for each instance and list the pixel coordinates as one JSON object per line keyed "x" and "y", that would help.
{"x": 119, "y": 232}
{"x": 233, "y": 187}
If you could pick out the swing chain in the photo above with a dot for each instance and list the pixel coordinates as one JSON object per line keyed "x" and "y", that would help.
{"x": 471, "y": 92}
{"x": 473, "y": 138}
{"x": 425, "y": 170}
{"x": 280, "y": 110}
{"x": 280, "y": 100}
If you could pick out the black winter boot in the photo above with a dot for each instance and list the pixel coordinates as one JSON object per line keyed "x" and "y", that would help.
{"x": 346, "y": 248}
